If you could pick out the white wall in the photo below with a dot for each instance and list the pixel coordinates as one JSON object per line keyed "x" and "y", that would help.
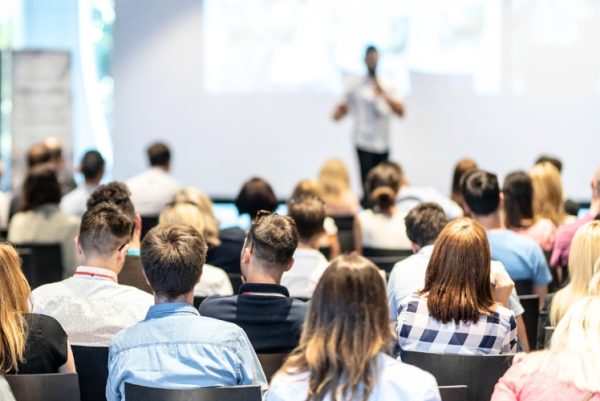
{"x": 220, "y": 141}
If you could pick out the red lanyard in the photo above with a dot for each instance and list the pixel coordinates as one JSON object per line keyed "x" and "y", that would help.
{"x": 95, "y": 275}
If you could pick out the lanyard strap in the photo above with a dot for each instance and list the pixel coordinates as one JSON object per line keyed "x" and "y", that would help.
{"x": 100, "y": 275}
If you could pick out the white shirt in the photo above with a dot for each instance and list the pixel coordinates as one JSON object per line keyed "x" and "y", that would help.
{"x": 371, "y": 115}
{"x": 75, "y": 202}
{"x": 410, "y": 197}
{"x": 91, "y": 306}
{"x": 4, "y": 209}
{"x": 383, "y": 231}
{"x": 151, "y": 190}
{"x": 302, "y": 278}
{"x": 395, "y": 381}
{"x": 214, "y": 281}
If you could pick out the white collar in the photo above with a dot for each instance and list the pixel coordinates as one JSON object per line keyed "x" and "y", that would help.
{"x": 96, "y": 273}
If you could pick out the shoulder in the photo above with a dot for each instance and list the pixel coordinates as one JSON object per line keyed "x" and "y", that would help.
{"x": 415, "y": 381}
{"x": 47, "y": 291}
{"x": 215, "y": 305}
{"x": 289, "y": 387}
{"x": 47, "y": 325}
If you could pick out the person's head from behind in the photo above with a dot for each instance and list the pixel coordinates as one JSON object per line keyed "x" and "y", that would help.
{"x": 462, "y": 166}
{"x": 115, "y": 193}
{"x": 518, "y": 200}
{"x": 308, "y": 213}
{"x": 270, "y": 246}
{"x": 348, "y": 316}
{"x": 371, "y": 60}
{"x": 556, "y": 162}
{"x": 38, "y": 154}
{"x": 424, "y": 223}
{"x": 104, "y": 234}
{"x": 14, "y": 302}
{"x": 183, "y": 213}
{"x": 457, "y": 280}
{"x": 41, "y": 187}
{"x": 256, "y": 194}
{"x": 205, "y": 206}
{"x": 159, "y": 155}
{"x": 334, "y": 179}
{"x": 92, "y": 167}
{"x": 172, "y": 257}
{"x": 481, "y": 192}
{"x": 382, "y": 184}
{"x": 547, "y": 193}
{"x": 306, "y": 188}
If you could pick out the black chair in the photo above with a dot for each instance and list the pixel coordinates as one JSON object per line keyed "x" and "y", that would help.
{"x": 44, "y": 387}
{"x": 271, "y": 363}
{"x": 385, "y": 259}
{"x": 148, "y": 223}
{"x": 531, "y": 317}
{"x": 41, "y": 263}
{"x": 236, "y": 281}
{"x": 479, "y": 373}
{"x": 345, "y": 226}
{"x": 524, "y": 287}
{"x": 92, "y": 367}
{"x": 198, "y": 301}
{"x": 548, "y": 332}
{"x": 454, "y": 393}
{"x": 133, "y": 392}
{"x": 3, "y": 235}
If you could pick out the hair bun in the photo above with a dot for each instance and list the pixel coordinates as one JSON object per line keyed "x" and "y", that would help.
{"x": 383, "y": 197}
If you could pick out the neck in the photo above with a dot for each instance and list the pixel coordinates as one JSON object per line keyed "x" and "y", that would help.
{"x": 163, "y": 168}
{"x": 93, "y": 182}
{"x": 103, "y": 263}
{"x": 187, "y": 298}
{"x": 595, "y": 206}
{"x": 490, "y": 221}
{"x": 260, "y": 275}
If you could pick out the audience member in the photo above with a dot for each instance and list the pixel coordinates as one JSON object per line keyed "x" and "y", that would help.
{"x": 309, "y": 263}
{"x": 214, "y": 280}
{"x": 152, "y": 189}
{"x": 343, "y": 351}
{"x": 381, "y": 227}
{"x": 256, "y": 195}
{"x": 570, "y": 206}
{"x": 41, "y": 221}
{"x": 334, "y": 182}
{"x": 31, "y": 343}
{"x": 521, "y": 256}
{"x": 462, "y": 166}
{"x": 518, "y": 211}
{"x": 547, "y": 193}
{"x": 264, "y": 310}
{"x": 175, "y": 347}
{"x": 565, "y": 232}
{"x": 456, "y": 312}
{"x": 92, "y": 168}
{"x": 568, "y": 370}
{"x": 57, "y": 160}
{"x": 91, "y": 305}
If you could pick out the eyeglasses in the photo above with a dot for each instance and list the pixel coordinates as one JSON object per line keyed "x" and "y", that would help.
{"x": 122, "y": 246}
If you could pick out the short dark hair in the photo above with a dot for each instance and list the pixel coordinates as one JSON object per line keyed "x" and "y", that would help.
{"x": 40, "y": 187}
{"x": 172, "y": 257}
{"x": 308, "y": 213}
{"x": 159, "y": 154}
{"x": 38, "y": 154}
{"x": 425, "y": 222}
{"x": 273, "y": 239}
{"x": 92, "y": 164}
{"x": 481, "y": 191}
{"x": 370, "y": 49}
{"x": 256, "y": 194}
{"x": 550, "y": 159}
{"x": 518, "y": 199}
{"x": 104, "y": 228}
{"x": 115, "y": 193}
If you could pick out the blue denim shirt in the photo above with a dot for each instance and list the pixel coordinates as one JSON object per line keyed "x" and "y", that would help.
{"x": 175, "y": 347}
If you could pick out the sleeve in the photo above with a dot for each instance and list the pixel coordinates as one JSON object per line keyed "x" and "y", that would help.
{"x": 514, "y": 304}
{"x": 391, "y": 296}
{"x": 55, "y": 339}
{"x": 251, "y": 372}
{"x": 509, "y": 342}
{"x": 541, "y": 272}
{"x": 114, "y": 384}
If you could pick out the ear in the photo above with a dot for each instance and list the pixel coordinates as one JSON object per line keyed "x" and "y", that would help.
{"x": 122, "y": 254}
{"x": 246, "y": 255}
{"x": 289, "y": 265}
{"x": 78, "y": 246}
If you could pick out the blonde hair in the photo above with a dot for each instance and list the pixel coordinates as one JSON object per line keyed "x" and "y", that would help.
{"x": 205, "y": 206}
{"x": 334, "y": 180}
{"x": 183, "y": 213}
{"x": 585, "y": 251}
{"x": 594, "y": 288}
{"x": 14, "y": 302}
{"x": 548, "y": 200}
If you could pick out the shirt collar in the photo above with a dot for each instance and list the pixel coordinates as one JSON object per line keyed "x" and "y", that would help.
{"x": 96, "y": 273}
{"x": 162, "y": 310}
{"x": 266, "y": 290}
{"x": 427, "y": 250}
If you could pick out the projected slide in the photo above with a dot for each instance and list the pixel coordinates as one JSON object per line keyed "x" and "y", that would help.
{"x": 316, "y": 46}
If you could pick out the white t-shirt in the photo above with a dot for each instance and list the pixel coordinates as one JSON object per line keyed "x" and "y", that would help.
{"x": 75, "y": 202}
{"x": 302, "y": 278}
{"x": 371, "y": 115}
{"x": 383, "y": 231}
{"x": 151, "y": 190}
{"x": 213, "y": 281}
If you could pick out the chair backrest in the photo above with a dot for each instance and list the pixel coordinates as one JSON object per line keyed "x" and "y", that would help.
{"x": 385, "y": 259}
{"x": 132, "y": 274}
{"x": 548, "y": 332}
{"x": 41, "y": 263}
{"x": 92, "y": 368}
{"x": 524, "y": 287}
{"x": 148, "y": 223}
{"x": 271, "y": 363}
{"x": 236, "y": 281}
{"x": 44, "y": 387}
{"x": 531, "y": 317}
{"x": 134, "y": 392}
{"x": 345, "y": 226}
{"x": 198, "y": 300}
{"x": 454, "y": 393}
{"x": 479, "y": 373}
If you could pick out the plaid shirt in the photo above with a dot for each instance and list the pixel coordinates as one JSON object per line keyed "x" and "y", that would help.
{"x": 419, "y": 331}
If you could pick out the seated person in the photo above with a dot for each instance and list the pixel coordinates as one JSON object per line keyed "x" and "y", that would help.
{"x": 456, "y": 312}
{"x": 31, "y": 343}
{"x": 256, "y": 195}
{"x": 348, "y": 316}
{"x": 92, "y": 168}
{"x": 521, "y": 256}
{"x": 91, "y": 305}
{"x": 461, "y": 167}
{"x": 334, "y": 183}
{"x": 309, "y": 263}
{"x": 175, "y": 347}
{"x": 382, "y": 226}
{"x": 264, "y": 309}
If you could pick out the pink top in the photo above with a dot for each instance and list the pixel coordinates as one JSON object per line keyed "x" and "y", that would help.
{"x": 518, "y": 384}
{"x": 564, "y": 236}
{"x": 542, "y": 232}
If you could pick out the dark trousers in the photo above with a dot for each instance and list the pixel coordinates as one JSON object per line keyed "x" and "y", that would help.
{"x": 367, "y": 160}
